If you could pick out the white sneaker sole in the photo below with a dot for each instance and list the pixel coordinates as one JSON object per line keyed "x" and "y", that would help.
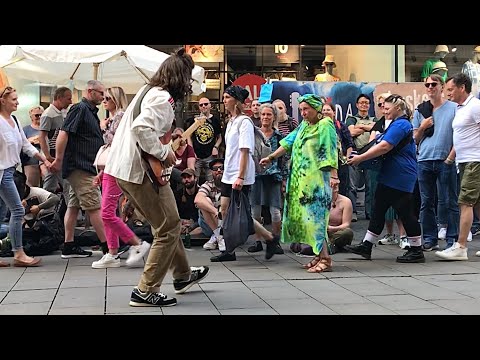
{"x": 455, "y": 258}
{"x": 105, "y": 266}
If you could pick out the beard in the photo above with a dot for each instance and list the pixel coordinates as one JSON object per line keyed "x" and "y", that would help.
{"x": 217, "y": 180}
{"x": 189, "y": 185}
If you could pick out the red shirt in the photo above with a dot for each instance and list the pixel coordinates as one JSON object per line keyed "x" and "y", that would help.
{"x": 187, "y": 153}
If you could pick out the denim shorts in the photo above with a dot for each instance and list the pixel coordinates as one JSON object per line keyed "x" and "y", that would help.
{"x": 203, "y": 225}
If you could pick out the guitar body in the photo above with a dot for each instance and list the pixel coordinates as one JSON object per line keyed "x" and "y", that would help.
{"x": 158, "y": 173}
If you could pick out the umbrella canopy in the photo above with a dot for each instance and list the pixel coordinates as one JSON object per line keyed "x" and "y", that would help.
{"x": 128, "y": 66}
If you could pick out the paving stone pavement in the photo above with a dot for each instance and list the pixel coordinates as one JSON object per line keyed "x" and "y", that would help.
{"x": 255, "y": 286}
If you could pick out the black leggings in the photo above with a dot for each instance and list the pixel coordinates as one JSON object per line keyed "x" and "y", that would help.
{"x": 402, "y": 202}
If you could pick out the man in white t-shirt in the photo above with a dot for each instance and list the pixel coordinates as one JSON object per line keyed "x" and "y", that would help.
{"x": 466, "y": 132}
{"x": 39, "y": 202}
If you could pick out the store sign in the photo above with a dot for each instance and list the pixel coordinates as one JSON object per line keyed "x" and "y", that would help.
{"x": 342, "y": 94}
{"x": 272, "y": 55}
{"x": 253, "y": 84}
{"x": 205, "y": 53}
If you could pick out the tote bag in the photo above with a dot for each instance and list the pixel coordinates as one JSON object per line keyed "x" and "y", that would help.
{"x": 102, "y": 156}
{"x": 238, "y": 223}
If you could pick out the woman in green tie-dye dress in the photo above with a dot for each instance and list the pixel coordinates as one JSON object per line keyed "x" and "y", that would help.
{"x": 313, "y": 149}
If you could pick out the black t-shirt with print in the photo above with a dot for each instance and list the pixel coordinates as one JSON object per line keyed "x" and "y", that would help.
{"x": 205, "y": 136}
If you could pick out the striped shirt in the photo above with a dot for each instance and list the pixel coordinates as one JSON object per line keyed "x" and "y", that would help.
{"x": 51, "y": 122}
{"x": 287, "y": 126}
{"x": 212, "y": 192}
{"x": 84, "y": 138}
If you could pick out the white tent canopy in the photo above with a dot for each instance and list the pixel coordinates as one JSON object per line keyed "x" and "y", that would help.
{"x": 128, "y": 66}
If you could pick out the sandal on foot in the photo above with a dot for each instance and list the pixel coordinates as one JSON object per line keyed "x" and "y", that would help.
{"x": 323, "y": 265}
{"x": 312, "y": 263}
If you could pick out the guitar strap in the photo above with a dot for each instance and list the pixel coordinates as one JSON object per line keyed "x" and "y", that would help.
{"x": 136, "y": 112}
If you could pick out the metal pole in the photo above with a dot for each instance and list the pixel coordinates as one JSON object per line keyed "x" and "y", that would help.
{"x": 396, "y": 63}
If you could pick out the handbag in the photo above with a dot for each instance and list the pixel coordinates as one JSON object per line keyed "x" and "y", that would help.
{"x": 101, "y": 157}
{"x": 238, "y": 223}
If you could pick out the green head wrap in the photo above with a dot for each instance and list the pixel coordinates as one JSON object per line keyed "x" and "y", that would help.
{"x": 313, "y": 100}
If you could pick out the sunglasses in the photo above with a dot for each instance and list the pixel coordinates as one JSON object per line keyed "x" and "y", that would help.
{"x": 432, "y": 84}
{"x": 6, "y": 91}
{"x": 204, "y": 104}
{"x": 380, "y": 104}
{"x": 37, "y": 115}
{"x": 100, "y": 92}
{"x": 217, "y": 168}
{"x": 107, "y": 98}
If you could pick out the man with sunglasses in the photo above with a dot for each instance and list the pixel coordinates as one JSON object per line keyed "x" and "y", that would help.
{"x": 206, "y": 141}
{"x": 77, "y": 145}
{"x": 208, "y": 204}
{"x": 437, "y": 173}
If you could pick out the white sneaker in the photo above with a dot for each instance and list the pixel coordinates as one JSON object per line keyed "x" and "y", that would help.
{"x": 388, "y": 239}
{"x": 469, "y": 237}
{"x": 136, "y": 254}
{"x": 477, "y": 253}
{"x": 454, "y": 252}
{"x": 404, "y": 243}
{"x": 107, "y": 261}
{"x": 211, "y": 244}
{"x": 221, "y": 243}
{"x": 442, "y": 233}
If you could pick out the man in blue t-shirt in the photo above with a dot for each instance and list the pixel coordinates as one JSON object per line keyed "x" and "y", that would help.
{"x": 433, "y": 133}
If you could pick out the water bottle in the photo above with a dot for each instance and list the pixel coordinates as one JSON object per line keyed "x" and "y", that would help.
{"x": 187, "y": 241}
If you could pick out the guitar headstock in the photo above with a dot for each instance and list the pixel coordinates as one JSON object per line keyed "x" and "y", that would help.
{"x": 200, "y": 120}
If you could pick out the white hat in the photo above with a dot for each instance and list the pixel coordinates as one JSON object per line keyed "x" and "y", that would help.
{"x": 442, "y": 48}
{"x": 329, "y": 59}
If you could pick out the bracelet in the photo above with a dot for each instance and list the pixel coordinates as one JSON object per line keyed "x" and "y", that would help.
{"x": 241, "y": 178}
{"x": 216, "y": 147}
{"x": 449, "y": 161}
{"x": 333, "y": 177}
{"x": 271, "y": 157}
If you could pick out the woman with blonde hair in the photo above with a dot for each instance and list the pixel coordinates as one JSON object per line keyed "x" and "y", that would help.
{"x": 390, "y": 238}
{"x": 395, "y": 188}
{"x": 12, "y": 142}
{"x": 31, "y": 166}
{"x": 115, "y": 102}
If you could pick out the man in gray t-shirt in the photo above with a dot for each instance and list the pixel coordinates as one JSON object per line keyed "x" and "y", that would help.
{"x": 50, "y": 123}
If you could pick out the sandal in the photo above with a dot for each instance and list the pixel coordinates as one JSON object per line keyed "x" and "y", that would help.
{"x": 312, "y": 263}
{"x": 323, "y": 265}
{"x": 4, "y": 264}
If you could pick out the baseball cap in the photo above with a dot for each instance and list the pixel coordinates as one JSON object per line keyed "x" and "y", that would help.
{"x": 188, "y": 171}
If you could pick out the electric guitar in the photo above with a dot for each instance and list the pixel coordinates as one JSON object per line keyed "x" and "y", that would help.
{"x": 156, "y": 170}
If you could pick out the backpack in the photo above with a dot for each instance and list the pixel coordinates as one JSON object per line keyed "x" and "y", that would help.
{"x": 262, "y": 147}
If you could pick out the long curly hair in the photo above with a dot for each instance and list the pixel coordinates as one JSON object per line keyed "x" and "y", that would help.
{"x": 175, "y": 75}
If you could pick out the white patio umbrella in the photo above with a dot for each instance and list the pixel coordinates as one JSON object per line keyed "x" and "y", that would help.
{"x": 128, "y": 66}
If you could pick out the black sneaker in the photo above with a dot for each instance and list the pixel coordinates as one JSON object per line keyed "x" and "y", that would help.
{"x": 197, "y": 275}
{"x": 122, "y": 250}
{"x": 74, "y": 251}
{"x": 279, "y": 250}
{"x": 413, "y": 255}
{"x": 139, "y": 298}
{"x": 361, "y": 249}
{"x": 272, "y": 247}
{"x": 255, "y": 248}
{"x": 224, "y": 256}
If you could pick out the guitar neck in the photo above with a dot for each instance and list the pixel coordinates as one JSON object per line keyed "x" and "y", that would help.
{"x": 187, "y": 133}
